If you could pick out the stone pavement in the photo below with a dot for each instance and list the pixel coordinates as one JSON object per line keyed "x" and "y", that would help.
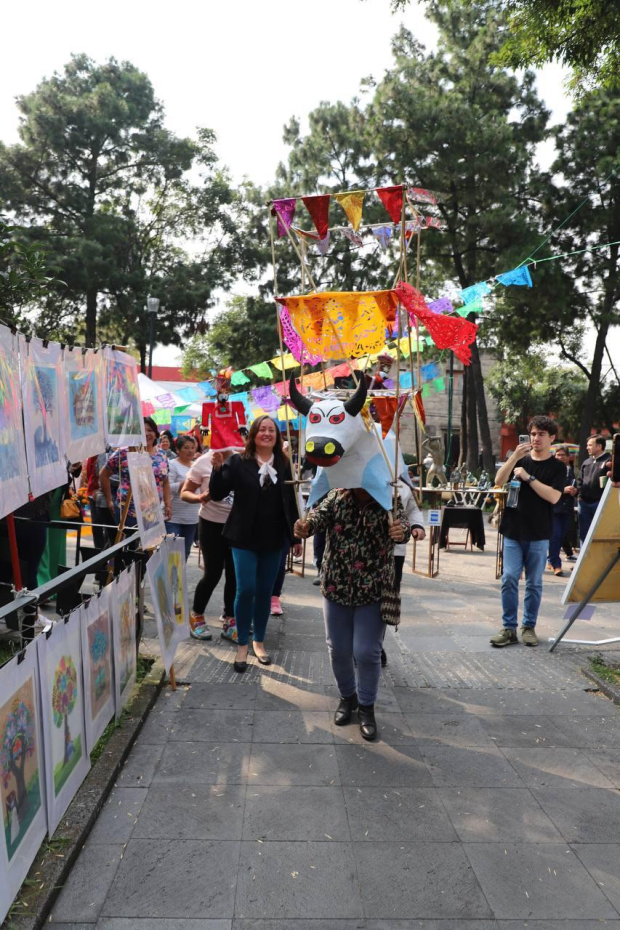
{"x": 490, "y": 801}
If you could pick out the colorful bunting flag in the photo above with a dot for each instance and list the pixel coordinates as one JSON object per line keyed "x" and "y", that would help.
{"x": 352, "y": 204}
{"x": 147, "y": 408}
{"x": 323, "y": 245}
{"x": 383, "y": 235}
{"x": 207, "y": 388}
{"x": 318, "y": 208}
{"x": 262, "y": 370}
{"x": 166, "y": 400}
{"x": 284, "y": 362}
{"x": 405, "y": 379}
{"x": 392, "y": 200}
{"x": 421, "y": 195}
{"x": 426, "y": 391}
{"x": 519, "y": 276}
{"x": 353, "y": 238}
{"x": 265, "y": 398}
{"x": 286, "y": 413}
{"x": 386, "y": 408}
{"x": 442, "y": 305}
{"x": 447, "y": 331}
{"x": 430, "y": 371}
{"x": 440, "y": 384}
{"x": 284, "y": 211}
{"x": 470, "y": 294}
{"x": 239, "y": 378}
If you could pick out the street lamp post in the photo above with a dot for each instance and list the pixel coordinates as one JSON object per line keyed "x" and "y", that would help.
{"x": 153, "y": 306}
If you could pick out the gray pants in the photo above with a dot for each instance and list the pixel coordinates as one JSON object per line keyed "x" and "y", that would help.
{"x": 355, "y": 632}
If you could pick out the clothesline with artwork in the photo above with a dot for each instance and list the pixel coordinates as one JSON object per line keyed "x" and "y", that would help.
{"x": 57, "y": 406}
{"x": 352, "y": 203}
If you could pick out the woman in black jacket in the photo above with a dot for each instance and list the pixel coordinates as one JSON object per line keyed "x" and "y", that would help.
{"x": 260, "y": 522}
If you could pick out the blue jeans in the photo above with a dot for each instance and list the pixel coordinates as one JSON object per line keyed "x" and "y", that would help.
{"x": 186, "y": 531}
{"x": 587, "y": 509}
{"x": 255, "y": 573}
{"x": 529, "y": 555}
{"x": 355, "y": 632}
{"x": 560, "y": 526}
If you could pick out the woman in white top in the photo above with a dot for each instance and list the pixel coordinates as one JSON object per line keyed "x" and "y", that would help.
{"x": 216, "y": 552}
{"x": 184, "y": 517}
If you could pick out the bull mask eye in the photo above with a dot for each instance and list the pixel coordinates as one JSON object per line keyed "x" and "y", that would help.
{"x": 337, "y": 418}
{"x": 315, "y": 418}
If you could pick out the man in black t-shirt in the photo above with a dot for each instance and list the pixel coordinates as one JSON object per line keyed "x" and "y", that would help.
{"x": 527, "y": 524}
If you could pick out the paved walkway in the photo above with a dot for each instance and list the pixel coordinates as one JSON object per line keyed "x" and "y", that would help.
{"x": 490, "y": 802}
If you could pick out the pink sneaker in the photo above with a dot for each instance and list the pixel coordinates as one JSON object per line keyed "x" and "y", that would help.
{"x": 276, "y": 607}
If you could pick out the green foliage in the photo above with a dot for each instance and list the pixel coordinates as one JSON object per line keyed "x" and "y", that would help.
{"x": 526, "y": 385}
{"x": 243, "y": 334}
{"x": 24, "y": 274}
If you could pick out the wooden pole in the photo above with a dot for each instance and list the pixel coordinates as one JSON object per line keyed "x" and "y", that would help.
{"x": 173, "y": 678}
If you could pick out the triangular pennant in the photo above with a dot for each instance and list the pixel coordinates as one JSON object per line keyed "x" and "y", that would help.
{"x": 353, "y": 237}
{"x": 386, "y": 408}
{"x": 520, "y": 276}
{"x": 392, "y": 200}
{"x": 323, "y": 245}
{"x": 318, "y": 208}
{"x": 262, "y": 369}
{"x": 383, "y": 234}
{"x": 284, "y": 211}
{"x": 352, "y": 203}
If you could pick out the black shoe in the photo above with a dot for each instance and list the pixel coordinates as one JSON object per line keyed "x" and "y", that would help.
{"x": 383, "y": 658}
{"x": 240, "y": 666}
{"x": 316, "y": 582}
{"x": 368, "y": 724}
{"x": 345, "y": 709}
{"x": 264, "y": 660}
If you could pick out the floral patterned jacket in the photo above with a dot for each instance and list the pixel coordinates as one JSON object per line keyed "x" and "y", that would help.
{"x": 358, "y": 563}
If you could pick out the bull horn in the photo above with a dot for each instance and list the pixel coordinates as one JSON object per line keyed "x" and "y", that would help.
{"x": 299, "y": 402}
{"x": 354, "y": 404}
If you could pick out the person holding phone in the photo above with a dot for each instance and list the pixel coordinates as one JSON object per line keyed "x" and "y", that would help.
{"x": 527, "y": 527}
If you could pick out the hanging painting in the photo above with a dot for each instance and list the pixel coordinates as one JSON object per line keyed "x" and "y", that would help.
{"x": 146, "y": 499}
{"x": 83, "y": 376}
{"x": 43, "y": 390}
{"x": 22, "y": 784}
{"x": 97, "y": 659}
{"x": 123, "y": 598}
{"x": 161, "y": 595}
{"x": 13, "y": 469}
{"x": 124, "y": 423}
{"x": 177, "y": 580}
{"x": 66, "y": 760}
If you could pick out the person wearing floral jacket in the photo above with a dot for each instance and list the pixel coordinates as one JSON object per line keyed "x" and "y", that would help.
{"x": 357, "y": 573}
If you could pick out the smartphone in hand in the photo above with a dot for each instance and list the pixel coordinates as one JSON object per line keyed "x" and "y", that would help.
{"x": 524, "y": 438}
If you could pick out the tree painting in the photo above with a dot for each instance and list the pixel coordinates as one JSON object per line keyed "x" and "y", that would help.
{"x": 9, "y": 462}
{"x": 128, "y": 648}
{"x": 19, "y": 770}
{"x": 64, "y": 696}
{"x": 46, "y": 450}
{"x": 99, "y": 658}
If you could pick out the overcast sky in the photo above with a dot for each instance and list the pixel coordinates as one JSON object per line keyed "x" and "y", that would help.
{"x": 239, "y": 67}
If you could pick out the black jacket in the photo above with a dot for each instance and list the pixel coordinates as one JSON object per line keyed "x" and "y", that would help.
{"x": 241, "y": 476}
{"x": 591, "y": 470}
{"x": 566, "y": 503}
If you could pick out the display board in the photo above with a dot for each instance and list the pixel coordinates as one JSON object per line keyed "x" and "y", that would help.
{"x": 44, "y": 397}
{"x": 13, "y": 468}
{"x": 123, "y": 600}
{"x": 166, "y": 573}
{"x": 124, "y": 423}
{"x": 597, "y": 552}
{"x": 97, "y": 653}
{"x": 146, "y": 499}
{"x": 83, "y": 372}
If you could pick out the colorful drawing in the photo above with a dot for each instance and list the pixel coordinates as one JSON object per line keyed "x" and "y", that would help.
{"x": 99, "y": 658}
{"x": 167, "y": 628}
{"x": 163, "y": 604}
{"x": 148, "y": 506}
{"x": 177, "y": 581}
{"x": 13, "y": 471}
{"x": 64, "y": 698}
{"x": 124, "y": 424}
{"x": 97, "y": 652}
{"x": 44, "y": 399}
{"x": 124, "y": 635}
{"x": 20, "y": 791}
{"x": 83, "y": 416}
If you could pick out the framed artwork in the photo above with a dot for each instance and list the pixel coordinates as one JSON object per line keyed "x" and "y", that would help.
{"x": 13, "y": 468}
{"x": 597, "y": 552}
{"x": 98, "y": 659}
{"x": 22, "y": 781}
{"x": 67, "y": 762}
{"x": 148, "y": 505}
{"x": 83, "y": 372}
{"x": 43, "y": 390}
{"x": 177, "y": 581}
{"x": 124, "y": 423}
{"x": 159, "y": 580}
{"x": 123, "y": 599}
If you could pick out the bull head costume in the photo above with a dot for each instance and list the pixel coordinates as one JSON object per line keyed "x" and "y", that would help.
{"x": 346, "y": 452}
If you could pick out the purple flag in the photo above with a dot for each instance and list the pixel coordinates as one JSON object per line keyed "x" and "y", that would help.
{"x": 265, "y": 398}
{"x": 293, "y": 340}
{"x": 284, "y": 211}
{"x": 442, "y": 305}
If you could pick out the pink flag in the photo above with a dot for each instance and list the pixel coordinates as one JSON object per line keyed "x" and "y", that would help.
{"x": 284, "y": 211}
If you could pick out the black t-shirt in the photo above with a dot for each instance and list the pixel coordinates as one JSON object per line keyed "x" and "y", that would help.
{"x": 532, "y": 518}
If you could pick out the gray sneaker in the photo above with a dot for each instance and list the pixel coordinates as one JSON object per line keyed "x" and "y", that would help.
{"x": 528, "y": 636}
{"x": 505, "y": 637}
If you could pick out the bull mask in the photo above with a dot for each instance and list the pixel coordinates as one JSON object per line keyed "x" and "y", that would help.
{"x": 352, "y": 406}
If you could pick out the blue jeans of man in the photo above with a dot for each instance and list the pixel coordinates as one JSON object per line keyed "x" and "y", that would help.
{"x": 560, "y": 526}
{"x": 518, "y": 555}
{"x": 186, "y": 531}
{"x": 587, "y": 509}
{"x": 255, "y": 573}
{"x": 355, "y": 633}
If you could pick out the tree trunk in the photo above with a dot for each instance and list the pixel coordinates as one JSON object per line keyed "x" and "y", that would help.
{"x": 91, "y": 315}
{"x": 463, "y": 438}
{"x": 488, "y": 459}
{"x": 594, "y": 387}
{"x": 20, "y": 785}
{"x": 472, "y": 423}
{"x": 67, "y": 740}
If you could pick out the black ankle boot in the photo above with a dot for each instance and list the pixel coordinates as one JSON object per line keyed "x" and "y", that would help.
{"x": 345, "y": 709}
{"x": 368, "y": 724}
{"x": 383, "y": 658}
